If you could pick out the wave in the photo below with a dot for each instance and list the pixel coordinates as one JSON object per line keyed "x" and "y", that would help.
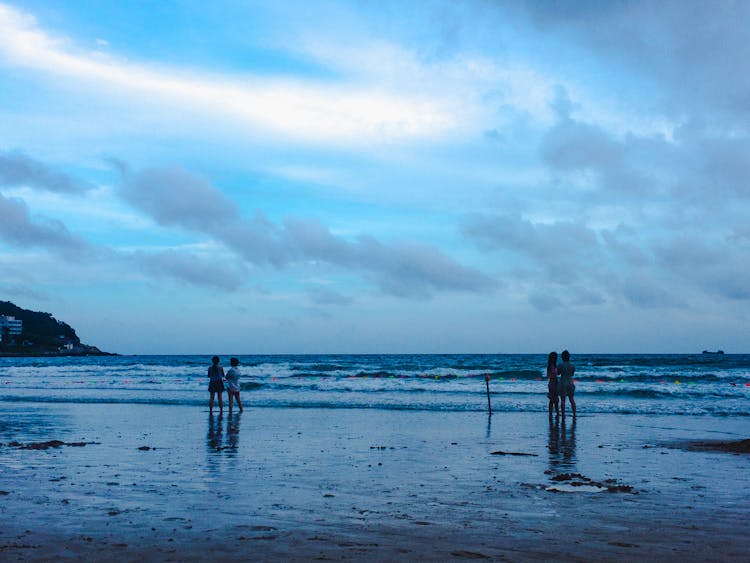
{"x": 521, "y": 375}
{"x": 478, "y": 407}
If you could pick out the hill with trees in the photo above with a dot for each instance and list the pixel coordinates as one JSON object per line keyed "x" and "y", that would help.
{"x": 42, "y": 334}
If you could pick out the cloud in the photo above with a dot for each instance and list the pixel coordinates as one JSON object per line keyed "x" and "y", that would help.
{"x": 18, "y": 290}
{"x": 586, "y": 296}
{"x": 190, "y": 268}
{"x": 626, "y": 252}
{"x": 573, "y": 146}
{"x": 327, "y": 296}
{"x": 544, "y": 301}
{"x": 176, "y": 198}
{"x": 707, "y": 264}
{"x": 645, "y": 291}
{"x": 562, "y": 249}
{"x": 17, "y": 227}
{"x": 404, "y": 269}
{"x": 173, "y": 198}
{"x": 712, "y": 161}
{"x": 571, "y": 266}
{"x": 411, "y": 269}
{"x": 301, "y": 109}
{"x": 568, "y": 263}
{"x": 698, "y": 51}
{"x": 18, "y": 169}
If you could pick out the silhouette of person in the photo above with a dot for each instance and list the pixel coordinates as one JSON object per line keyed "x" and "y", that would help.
{"x": 215, "y": 384}
{"x": 566, "y": 387}
{"x": 233, "y": 383}
{"x": 552, "y": 387}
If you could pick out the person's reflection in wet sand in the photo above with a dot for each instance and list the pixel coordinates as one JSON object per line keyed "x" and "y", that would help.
{"x": 553, "y": 443}
{"x": 561, "y": 444}
{"x": 233, "y": 431}
{"x": 568, "y": 444}
{"x": 215, "y": 432}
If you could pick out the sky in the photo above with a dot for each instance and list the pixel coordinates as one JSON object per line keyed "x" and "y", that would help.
{"x": 379, "y": 177}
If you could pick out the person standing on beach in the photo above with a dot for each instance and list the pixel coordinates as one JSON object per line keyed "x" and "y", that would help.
{"x": 233, "y": 383}
{"x": 552, "y": 390}
{"x": 566, "y": 386}
{"x": 216, "y": 384}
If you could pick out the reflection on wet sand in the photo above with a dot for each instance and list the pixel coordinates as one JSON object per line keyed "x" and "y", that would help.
{"x": 561, "y": 443}
{"x": 24, "y": 425}
{"x": 215, "y": 432}
{"x": 233, "y": 431}
{"x": 217, "y": 439}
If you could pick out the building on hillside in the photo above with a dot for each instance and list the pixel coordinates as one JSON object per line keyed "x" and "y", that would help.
{"x": 12, "y": 325}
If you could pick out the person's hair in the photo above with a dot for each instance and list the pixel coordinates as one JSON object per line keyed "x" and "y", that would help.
{"x": 215, "y": 359}
{"x": 234, "y": 362}
{"x": 552, "y": 359}
{"x": 565, "y": 355}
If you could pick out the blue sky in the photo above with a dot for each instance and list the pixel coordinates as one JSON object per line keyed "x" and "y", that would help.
{"x": 374, "y": 177}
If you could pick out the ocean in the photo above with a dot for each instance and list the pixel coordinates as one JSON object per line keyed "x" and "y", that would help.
{"x": 676, "y": 384}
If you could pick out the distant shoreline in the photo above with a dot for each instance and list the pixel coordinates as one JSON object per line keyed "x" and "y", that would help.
{"x": 53, "y": 354}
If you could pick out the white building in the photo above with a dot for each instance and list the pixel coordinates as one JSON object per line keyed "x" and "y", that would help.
{"x": 14, "y": 325}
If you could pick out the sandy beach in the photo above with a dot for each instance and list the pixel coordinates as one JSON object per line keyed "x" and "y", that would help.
{"x": 161, "y": 482}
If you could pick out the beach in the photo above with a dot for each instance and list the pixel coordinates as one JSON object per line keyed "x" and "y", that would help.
{"x": 170, "y": 482}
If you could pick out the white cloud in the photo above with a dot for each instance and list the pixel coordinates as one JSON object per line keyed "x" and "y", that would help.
{"x": 300, "y": 109}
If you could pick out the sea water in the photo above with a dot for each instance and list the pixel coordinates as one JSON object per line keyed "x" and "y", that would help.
{"x": 702, "y": 384}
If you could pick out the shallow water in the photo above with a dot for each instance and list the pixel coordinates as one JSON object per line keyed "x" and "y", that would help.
{"x": 626, "y": 384}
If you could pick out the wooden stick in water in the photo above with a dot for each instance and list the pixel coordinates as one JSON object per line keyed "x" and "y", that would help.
{"x": 487, "y": 383}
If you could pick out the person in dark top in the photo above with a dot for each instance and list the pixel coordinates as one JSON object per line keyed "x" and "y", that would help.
{"x": 552, "y": 391}
{"x": 216, "y": 384}
{"x": 566, "y": 387}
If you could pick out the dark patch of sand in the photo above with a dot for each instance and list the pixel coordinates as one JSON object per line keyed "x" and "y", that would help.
{"x": 733, "y": 446}
{"x": 578, "y": 480}
{"x": 46, "y": 445}
{"x": 469, "y": 554}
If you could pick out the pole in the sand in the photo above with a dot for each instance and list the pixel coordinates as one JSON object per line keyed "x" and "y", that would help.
{"x": 487, "y": 383}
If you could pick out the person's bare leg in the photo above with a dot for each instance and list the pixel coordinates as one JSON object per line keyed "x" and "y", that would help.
{"x": 229, "y": 398}
{"x": 239, "y": 403}
{"x": 211, "y": 403}
{"x": 562, "y": 401}
{"x": 221, "y": 402}
{"x": 573, "y": 405}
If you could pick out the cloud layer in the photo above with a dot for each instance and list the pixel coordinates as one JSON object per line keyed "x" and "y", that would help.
{"x": 175, "y": 198}
{"x": 18, "y": 169}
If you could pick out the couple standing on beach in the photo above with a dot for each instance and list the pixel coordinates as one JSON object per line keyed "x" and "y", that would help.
{"x": 557, "y": 391}
{"x": 216, "y": 380}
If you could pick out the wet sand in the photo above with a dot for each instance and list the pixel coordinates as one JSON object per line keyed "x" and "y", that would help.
{"x": 160, "y": 482}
